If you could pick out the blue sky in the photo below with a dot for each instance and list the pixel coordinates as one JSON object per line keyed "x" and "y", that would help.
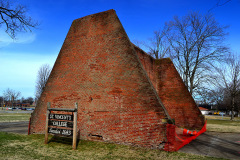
{"x": 20, "y": 59}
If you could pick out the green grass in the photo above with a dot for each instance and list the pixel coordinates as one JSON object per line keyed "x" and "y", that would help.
{"x": 14, "y": 117}
{"x": 221, "y": 117}
{"x": 216, "y": 125}
{"x": 21, "y": 147}
{"x": 223, "y": 122}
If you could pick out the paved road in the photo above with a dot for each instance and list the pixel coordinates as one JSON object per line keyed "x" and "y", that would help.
{"x": 15, "y": 111}
{"x": 14, "y": 127}
{"x": 214, "y": 144}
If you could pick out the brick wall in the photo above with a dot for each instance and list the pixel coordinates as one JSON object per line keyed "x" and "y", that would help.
{"x": 176, "y": 97}
{"x": 149, "y": 65}
{"x": 98, "y": 67}
{"x": 172, "y": 91}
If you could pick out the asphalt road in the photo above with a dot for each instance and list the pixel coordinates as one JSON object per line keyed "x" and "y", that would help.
{"x": 15, "y": 111}
{"x": 14, "y": 127}
{"x": 213, "y": 144}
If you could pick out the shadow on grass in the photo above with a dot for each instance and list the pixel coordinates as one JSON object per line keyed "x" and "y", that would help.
{"x": 62, "y": 140}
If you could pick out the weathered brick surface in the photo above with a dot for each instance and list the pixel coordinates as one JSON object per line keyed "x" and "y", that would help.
{"x": 149, "y": 65}
{"x": 98, "y": 67}
{"x": 172, "y": 91}
{"x": 176, "y": 97}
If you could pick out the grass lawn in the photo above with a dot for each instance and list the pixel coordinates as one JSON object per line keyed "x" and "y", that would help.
{"x": 221, "y": 118}
{"x": 217, "y": 124}
{"x": 14, "y": 117}
{"x": 21, "y": 147}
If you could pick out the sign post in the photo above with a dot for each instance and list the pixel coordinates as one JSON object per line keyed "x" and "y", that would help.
{"x": 46, "y": 128}
{"x": 62, "y": 124}
{"x": 75, "y": 128}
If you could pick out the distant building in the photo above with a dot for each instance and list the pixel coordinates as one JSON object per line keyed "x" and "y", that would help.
{"x": 206, "y": 106}
{"x": 34, "y": 104}
{"x": 204, "y": 110}
{"x": 10, "y": 104}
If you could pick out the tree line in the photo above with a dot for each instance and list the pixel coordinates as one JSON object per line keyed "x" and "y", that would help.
{"x": 11, "y": 97}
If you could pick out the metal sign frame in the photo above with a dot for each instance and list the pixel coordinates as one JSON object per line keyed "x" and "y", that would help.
{"x": 66, "y": 121}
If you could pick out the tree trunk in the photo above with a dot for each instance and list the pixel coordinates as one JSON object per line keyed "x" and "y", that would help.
{"x": 233, "y": 103}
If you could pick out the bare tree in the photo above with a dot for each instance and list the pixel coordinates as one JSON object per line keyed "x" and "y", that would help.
{"x": 228, "y": 77}
{"x": 27, "y": 100}
{"x": 214, "y": 96}
{"x": 14, "y": 18}
{"x": 196, "y": 42}
{"x": 157, "y": 45}
{"x": 11, "y": 95}
{"x": 2, "y": 101}
{"x": 219, "y": 3}
{"x": 42, "y": 77}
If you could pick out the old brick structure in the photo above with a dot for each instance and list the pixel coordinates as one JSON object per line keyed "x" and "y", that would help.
{"x": 172, "y": 91}
{"x": 123, "y": 94}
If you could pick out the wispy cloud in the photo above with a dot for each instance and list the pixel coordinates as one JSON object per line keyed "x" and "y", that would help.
{"x": 24, "y": 38}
